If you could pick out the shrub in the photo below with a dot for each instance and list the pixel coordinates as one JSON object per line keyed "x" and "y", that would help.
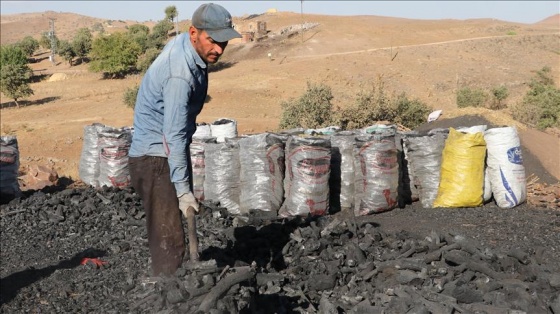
{"x": 499, "y": 95}
{"x": 376, "y": 105}
{"x": 311, "y": 110}
{"x": 370, "y": 106}
{"x": 540, "y": 106}
{"x": 145, "y": 60}
{"x": 410, "y": 113}
{"x": 467, "y": 97}
{"x": 314, "y": 109}
{"x": 129, "y": 96}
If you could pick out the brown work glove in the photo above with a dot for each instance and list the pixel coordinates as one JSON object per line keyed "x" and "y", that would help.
{"x": 188, "y": 200}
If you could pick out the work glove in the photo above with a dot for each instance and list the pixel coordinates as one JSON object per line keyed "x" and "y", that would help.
{"x": 187, "y": 200}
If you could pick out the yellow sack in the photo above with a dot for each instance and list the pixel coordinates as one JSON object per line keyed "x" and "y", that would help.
{"x": 461, "y": 182}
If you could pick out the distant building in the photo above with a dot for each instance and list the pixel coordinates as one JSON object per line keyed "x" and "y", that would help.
{"x": 257, "y": 27}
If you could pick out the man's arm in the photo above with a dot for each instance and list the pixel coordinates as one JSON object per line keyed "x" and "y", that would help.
{"x": 176, "y": 95}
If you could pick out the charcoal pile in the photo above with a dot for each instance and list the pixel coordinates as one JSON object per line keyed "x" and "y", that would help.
{"x": 85, "y": 250}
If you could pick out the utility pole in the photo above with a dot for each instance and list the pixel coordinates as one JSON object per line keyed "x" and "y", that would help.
{"x": 53, "y": 40}
{"x": 301, "y": 21}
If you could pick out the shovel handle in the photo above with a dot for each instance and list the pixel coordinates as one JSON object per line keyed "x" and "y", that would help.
{"x": 193, "y": 240}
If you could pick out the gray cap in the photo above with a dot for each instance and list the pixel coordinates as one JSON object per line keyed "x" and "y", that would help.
{"x": 216, "y": 21}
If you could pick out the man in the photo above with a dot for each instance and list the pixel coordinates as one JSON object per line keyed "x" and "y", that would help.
{"x": 170, "y": 97}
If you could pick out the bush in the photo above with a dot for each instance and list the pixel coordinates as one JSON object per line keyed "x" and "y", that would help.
{"x": 499, "y": 95}
{"x": 129, "y": 96}
{"x": 540, "y": 106}
{"x": 376, "y": 105}
{"x": 145, "y": 60}
{"x": 370, "y": 106}
{"x": 410, "y": 113}
{"x": 467, "y": 97}
{"x": 314, "y": 110}
{"x": 311, "y": 110}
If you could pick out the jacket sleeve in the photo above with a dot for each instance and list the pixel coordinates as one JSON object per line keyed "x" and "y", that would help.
{"x": 176, "y": 95}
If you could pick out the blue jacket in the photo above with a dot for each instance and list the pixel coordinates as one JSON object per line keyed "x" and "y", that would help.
{"x": 170, "y": 97}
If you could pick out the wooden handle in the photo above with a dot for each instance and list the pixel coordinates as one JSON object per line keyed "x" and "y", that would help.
{"x": 193, "y": 239}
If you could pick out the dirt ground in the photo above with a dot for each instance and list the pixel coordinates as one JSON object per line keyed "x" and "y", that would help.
{"x": 427, "y": 59}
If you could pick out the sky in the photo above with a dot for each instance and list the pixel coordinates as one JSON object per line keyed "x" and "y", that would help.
{"x": 512, "y": 11}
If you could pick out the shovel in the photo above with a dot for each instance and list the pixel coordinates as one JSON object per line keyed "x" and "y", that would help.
{"x": 194, "y": 262}
{"x": 193, "y": 240}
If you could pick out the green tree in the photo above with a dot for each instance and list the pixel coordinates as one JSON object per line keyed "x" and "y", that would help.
{"x": 14, "y": 73}
{"x": 158, "y": 37}
{"x": 114, "y": 55}
{"x": 29, "y": 45}
{"x": 66, "y": 51}
{"x": 45, "y": 41}
{"x": 171, "y": 13}
{"x": 145, "y": 60}
{"x": 81, "y": 43}
{"x": 139, "y": 33}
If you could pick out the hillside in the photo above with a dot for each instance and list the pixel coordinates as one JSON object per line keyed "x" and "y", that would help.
{"x": 427, "y": 59}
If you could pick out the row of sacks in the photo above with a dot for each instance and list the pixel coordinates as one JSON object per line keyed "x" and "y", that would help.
{"x": 315, "y": 172}
{"x": 369, "y": 171}
{"x": 104, "y": 156}
{"x": 464, "y": 167}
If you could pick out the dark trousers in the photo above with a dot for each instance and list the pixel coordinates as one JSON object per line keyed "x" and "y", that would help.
{"x": 151, "y": 180}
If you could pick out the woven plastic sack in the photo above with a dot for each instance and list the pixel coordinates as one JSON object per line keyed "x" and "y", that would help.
{"x": 9, "y": 167}
{"x": 462, "y": 170}
{"x": 424, "y": 154}
{"x": 88, "y": 168}
{"x": 342, "y": 171}
{"x": 203, "y": 130}
{"x": 223, "y": 128}
{"x": 196, "y": 149}
{"x": 505, "y": 167}
{"x": 222, "y": 180}
{"x": 376, "y": 175}
{"x": 407, "y": 192}
{"x": 306, "y": 184}
{"x": 113, "y": 145}
{"x": 262, "y": 172}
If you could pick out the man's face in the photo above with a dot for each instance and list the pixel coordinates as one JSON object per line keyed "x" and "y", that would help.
{"x": 209, "y": 50}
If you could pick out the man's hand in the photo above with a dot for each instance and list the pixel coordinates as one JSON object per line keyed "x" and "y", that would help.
{"x": 187, "y": 200}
